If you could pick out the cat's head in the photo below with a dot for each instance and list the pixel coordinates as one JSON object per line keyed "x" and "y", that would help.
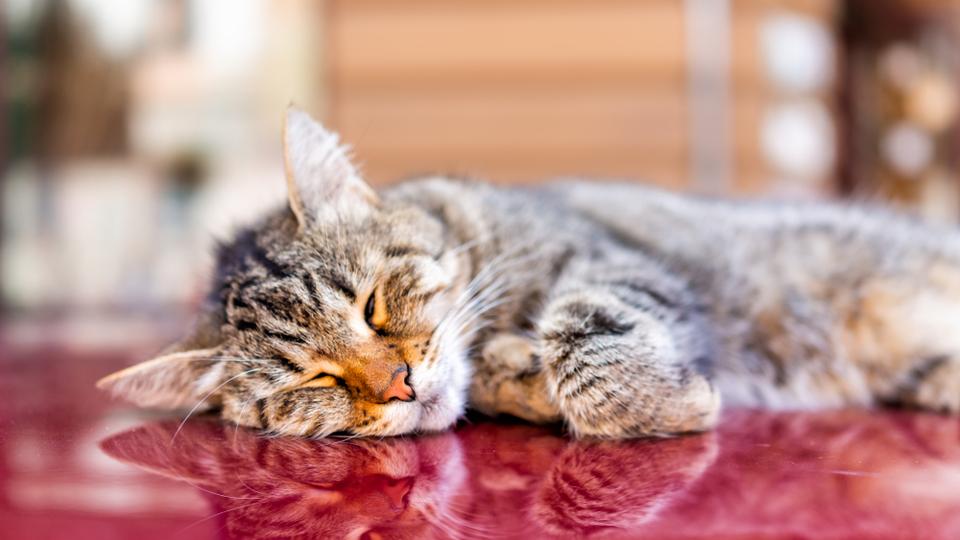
{"x": 337, "y": 313}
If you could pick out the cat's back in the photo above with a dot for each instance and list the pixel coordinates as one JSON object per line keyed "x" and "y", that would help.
{"x": 693, "y": 225}
{"x": 694, "y": 229}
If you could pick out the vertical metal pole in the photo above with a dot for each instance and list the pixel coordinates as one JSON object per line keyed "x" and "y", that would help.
{"x": 5, "y": 152}
{"x": 708, "y": 70}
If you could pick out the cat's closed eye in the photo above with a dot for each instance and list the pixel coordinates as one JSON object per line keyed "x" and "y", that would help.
{"x": 375, "y": 318}
{"x": 323, "y": 380}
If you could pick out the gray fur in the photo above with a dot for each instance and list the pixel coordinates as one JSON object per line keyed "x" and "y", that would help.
{"x": 620, "y": 310}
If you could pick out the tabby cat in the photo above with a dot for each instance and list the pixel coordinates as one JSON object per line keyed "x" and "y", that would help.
{"x": 619, "y": 310}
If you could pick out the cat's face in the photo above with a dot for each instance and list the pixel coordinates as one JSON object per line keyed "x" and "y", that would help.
{"x": 337, "y": 314}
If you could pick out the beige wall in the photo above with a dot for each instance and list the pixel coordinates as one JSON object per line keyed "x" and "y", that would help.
{"x": 528, "y": 89}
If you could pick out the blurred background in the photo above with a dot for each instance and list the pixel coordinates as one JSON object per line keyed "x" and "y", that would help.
{"x": 136, "y": 132}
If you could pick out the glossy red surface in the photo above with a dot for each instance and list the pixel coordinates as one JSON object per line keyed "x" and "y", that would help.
{"x": 74, "y": 465}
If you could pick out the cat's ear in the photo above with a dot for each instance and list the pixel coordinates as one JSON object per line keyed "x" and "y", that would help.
{"x": 177, "y": 380}
{"x": 184, "y": 375}
{"x": 321, "y": 180}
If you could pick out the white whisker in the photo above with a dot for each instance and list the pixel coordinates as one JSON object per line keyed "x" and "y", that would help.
{"x": 208, "y": 394}
{"x": 489, "y": 289}
{"x": 211, "y": 516}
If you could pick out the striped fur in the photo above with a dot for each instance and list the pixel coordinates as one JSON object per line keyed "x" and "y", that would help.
{"x": 620, "y": 310}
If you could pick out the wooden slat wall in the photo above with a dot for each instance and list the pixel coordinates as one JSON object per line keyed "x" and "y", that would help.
{"x": 511, "y": 90}
{"x": 522, "y": 90}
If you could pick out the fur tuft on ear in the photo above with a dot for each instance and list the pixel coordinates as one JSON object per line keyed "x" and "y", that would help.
{"x": 321, "y": 180}
{"x": 173, "y": 381}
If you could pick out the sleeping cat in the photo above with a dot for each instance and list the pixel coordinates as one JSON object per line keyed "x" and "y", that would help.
{"x": 619, "y": 310}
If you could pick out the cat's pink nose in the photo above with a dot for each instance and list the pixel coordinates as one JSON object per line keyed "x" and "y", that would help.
{"x": 399, "y": 388}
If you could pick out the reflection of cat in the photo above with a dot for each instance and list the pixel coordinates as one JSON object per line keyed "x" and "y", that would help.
{"x": 844, "y": 474}
{"x": 292, "y": 488}
{"x": 579, "y": 487}
{"x": 847, "y": 474}
{"x": 604, "y": 486}
{"x": 523, "y": 478}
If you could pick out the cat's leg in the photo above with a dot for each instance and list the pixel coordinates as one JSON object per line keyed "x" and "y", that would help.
{"x": 622, "y": 354}
{"x": 933, "y": 385}
{"x": 901, "y": 334}
{"x": 509, "y": 380}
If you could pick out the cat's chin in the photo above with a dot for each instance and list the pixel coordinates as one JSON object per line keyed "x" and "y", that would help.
{"x": 436, "y": 412}
{"x": 443, "y": 391}
{"x": 440, "y": 412}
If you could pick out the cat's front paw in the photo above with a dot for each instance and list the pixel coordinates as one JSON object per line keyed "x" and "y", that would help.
{"x": 509, "y": 380}
{"x": 619, "y": 372}
{"x": 939, "y": 389}
{"x": 510, "y": 354}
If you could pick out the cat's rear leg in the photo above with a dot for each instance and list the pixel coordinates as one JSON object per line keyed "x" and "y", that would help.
{"x": 620, "y": 358}
{"x": 933, "y": 384}
{"x": 903, "y": 335}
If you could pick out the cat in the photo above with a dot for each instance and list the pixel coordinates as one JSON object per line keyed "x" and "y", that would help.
{"x": 618, "y": 310}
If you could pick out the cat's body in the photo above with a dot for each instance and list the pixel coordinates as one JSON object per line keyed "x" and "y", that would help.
{"x": 620, "y": 310}
{"x": 780, "y": 305}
